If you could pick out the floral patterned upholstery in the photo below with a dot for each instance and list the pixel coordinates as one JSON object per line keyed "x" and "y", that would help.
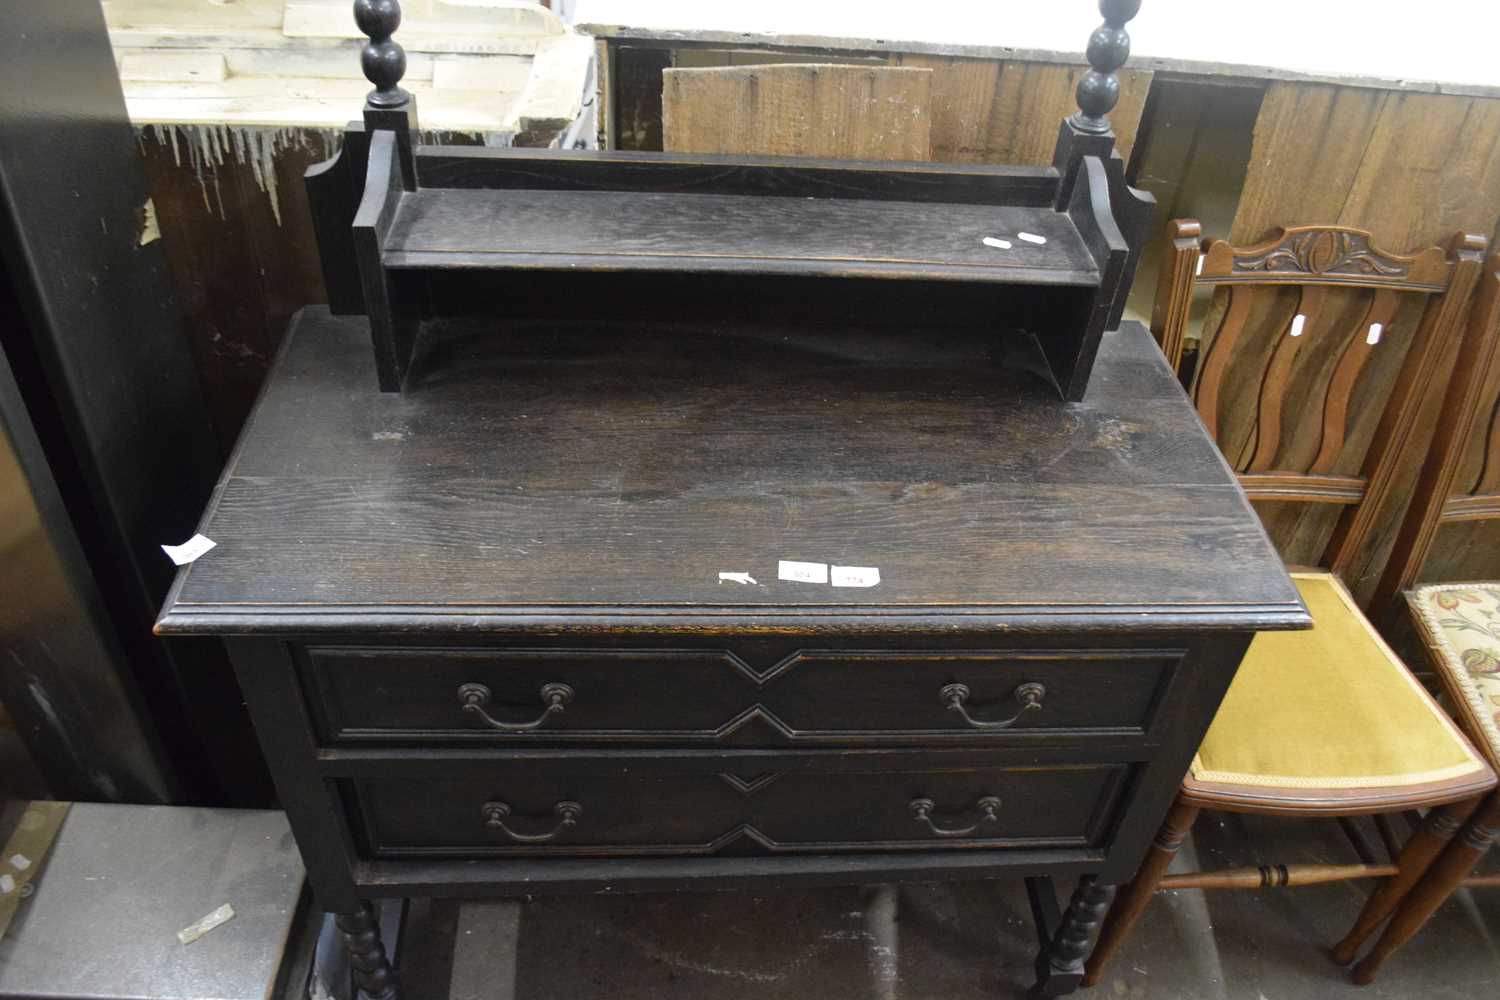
{"x": 1460, "y": 623}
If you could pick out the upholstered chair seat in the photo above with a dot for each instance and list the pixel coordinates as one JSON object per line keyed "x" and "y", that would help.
{"x": 1332, "y": 715}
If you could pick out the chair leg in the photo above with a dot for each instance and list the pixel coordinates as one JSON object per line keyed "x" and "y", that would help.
{"x": 1445, "y": 875}
{"x": 1131, "y": 901}
{"x": 1415, "y": 858}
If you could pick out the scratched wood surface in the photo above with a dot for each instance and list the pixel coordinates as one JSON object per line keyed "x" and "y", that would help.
{"x": 1411, "y": 168}
{"x": 592, "y": 465}
{"x": 848, "y": 112}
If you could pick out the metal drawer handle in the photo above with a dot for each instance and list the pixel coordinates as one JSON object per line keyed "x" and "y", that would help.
{"x": 495, "y": 813}
{"x": 989, "y": 809}
{"x": 474, "y": 697}
{"x": 1028, "y": 695}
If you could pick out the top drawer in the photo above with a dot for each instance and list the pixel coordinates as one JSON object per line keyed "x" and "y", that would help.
{"x": 557, "y": 696}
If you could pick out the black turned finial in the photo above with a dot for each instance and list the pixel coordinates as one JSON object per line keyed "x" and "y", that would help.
{"x": 1109, "y": 47}
{"x": 383, "y": 59}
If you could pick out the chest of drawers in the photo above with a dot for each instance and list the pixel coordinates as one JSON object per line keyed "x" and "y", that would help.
{"x": 482, "y": 632}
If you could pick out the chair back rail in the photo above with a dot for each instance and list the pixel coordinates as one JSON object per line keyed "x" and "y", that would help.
{"x": 1460, "y": 480}
{"x": 1286, "y": 358}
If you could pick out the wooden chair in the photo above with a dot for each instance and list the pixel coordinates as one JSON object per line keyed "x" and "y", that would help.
{"x": 1326, "y": 722}
{"x": 1459, "y": 623}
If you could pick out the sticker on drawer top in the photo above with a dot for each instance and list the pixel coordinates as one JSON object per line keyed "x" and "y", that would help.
{"x": 188, "y": 550}
{"x": 744, "y": 578}
{"x": 802, "y": 572}
{"x": 855, "y": 576}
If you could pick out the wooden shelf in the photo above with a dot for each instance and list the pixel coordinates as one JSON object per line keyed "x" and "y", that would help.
{"x": 846, "y": 241}
{"x": 615, "y": 230}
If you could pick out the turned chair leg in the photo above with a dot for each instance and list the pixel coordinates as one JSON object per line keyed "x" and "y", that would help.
{"x": 374, "y": 978}
{"x": 1415, "y": 858}
{"x": 1131, "y": 901}
{"x": 1445, "y": 875}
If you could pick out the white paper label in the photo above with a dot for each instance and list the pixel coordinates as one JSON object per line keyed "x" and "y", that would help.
{"x": 189, "y": 550}
{"x": 7, "y": 884}
{"x": 20, "y": 862}
{"x": 1032, "y": 238}
{"x": 996, "y": 242}
{"x": 802, "y": 572}
{"x": 855, "y": 576}
{"x": 744, "y": 578}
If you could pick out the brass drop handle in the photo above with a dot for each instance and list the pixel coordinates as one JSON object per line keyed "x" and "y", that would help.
{"x": 989, "y": 812}
{"x": 495, "y": 814}
{"x": 473, "y": 698}
{"x": 1028, "y": 696}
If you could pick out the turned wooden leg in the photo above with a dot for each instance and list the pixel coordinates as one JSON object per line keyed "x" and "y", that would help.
{"x": 1059, "y": 964}
{"x": 1450, "y": 869}
{"x": 1411, "y": 864}
{"x": 374, "y": 978}
{"x": 1136, "y": 893}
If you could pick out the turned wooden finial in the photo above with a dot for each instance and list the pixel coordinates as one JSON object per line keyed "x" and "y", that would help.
{"x": 383, "y": 59}
{"x": 1109, "y": 47}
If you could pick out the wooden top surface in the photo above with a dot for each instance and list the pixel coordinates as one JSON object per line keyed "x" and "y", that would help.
{"x": 615, "y": 230}
{"x": 589, "y": 475}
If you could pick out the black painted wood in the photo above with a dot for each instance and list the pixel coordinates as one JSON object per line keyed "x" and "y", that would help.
{"x": 601, "y": 230}
{"x": 482, "y": 624}
{"x": 463, "y": 696}
{"x": 555, "y": 508}
{"x": 791, "y": 177}
{"x": 492, "y": 216}
{"x": 550, "y": 473}
{"x": 630, "y": 810}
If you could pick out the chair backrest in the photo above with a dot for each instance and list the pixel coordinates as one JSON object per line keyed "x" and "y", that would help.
{"x": 1295, "y": 324}
{"x": 799, "y": 109}
{"x": 1460, "y": 480}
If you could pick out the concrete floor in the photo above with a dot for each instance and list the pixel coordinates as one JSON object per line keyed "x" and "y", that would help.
{"x": 956, "y": 941}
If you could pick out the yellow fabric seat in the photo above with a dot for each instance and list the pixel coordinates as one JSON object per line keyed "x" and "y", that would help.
{"x": 1329, "y": 713}
{"x": 1460, "y": 623}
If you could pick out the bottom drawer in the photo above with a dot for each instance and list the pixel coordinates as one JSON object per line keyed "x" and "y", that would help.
{"x": 533, "y": 809}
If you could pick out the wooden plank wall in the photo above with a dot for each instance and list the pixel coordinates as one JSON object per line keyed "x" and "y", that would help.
{"x": 983, "y": 110}
{"x": 993, "y": 111}
{"x": 235, "y": 226}
{"x": 799, "y": 109}
{"x": 1412, "y": 168}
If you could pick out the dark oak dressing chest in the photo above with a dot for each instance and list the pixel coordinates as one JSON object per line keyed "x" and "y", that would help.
{"x": 520, "y": 627}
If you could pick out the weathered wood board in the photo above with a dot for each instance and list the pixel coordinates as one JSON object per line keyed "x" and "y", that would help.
{"x": 988, "y": 111}
{"x": 799, "y": 109}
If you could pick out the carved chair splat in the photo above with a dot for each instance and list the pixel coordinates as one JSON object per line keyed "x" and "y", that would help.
{"x": 1318, "y": 263}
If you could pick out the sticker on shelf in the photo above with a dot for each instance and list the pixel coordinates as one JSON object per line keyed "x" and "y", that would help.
{"x": 20, "y": 862}
{"x": 189, "y": 550}
{"x": 856, "y": 576}
{"x": 802, "y": 572}
{"x": 744, "y": 578}
{"x": 996, "y": 242}
{"x": 1032, "y": 238}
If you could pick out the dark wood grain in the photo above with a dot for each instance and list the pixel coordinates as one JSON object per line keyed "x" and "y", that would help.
{"x": 567, "y": 467}
{"x": 644, "y": 810}
{"x": 574, "y": 170}
{"x": 384, "y": 693}
{"x": 607, "y": 229}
